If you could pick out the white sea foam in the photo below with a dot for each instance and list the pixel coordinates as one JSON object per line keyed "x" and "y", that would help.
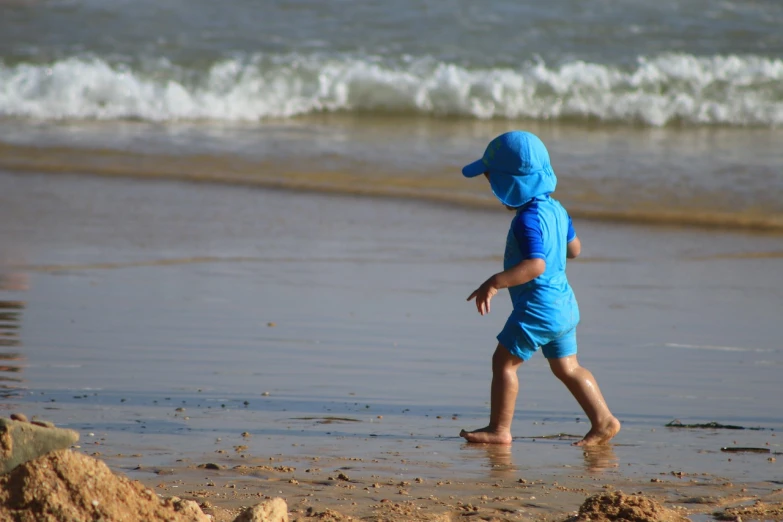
{"x": 726, "y": 90}
{"x": 716, "y": 348}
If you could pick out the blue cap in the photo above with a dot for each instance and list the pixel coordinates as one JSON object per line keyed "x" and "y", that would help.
{"x": 519, "y": 168}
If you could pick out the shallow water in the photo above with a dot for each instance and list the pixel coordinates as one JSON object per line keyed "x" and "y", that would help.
{"x": 137, "y": 298}
{"x": 720, "y": 177}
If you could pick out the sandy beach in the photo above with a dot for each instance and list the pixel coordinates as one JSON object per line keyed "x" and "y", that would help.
{"x": 373, "y": 490}
{"x": 236, "y": 247}
{"x": 226, "y": 345}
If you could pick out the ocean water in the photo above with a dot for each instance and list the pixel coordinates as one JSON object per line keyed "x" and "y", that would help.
{"x": 653, "y": 112}
{"x": 674, "y": 61}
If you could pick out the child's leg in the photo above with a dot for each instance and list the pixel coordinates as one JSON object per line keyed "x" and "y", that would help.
{"x": 503, "y": 397}
{"x": 582, "y": 385}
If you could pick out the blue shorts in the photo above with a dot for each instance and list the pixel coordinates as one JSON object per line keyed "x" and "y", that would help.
{"x": 518, "y": 342}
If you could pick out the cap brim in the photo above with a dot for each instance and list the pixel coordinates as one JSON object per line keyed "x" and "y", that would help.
{"x": 474, "y": 169}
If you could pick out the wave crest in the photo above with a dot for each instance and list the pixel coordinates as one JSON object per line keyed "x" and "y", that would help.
{"x": 725, "y": 90}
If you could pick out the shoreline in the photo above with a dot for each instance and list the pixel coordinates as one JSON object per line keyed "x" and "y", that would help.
{"x": 393, "y": 486}
{"x": 347, "y": 177}
{"x": 366, "y": 490}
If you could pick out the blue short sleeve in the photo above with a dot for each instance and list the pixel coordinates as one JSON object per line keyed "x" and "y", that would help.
{"x": 571, "y": 232}
{"x": 527, "y": 231}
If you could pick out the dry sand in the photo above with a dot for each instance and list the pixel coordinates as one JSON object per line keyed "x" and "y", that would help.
{"x": 65, "y": 485}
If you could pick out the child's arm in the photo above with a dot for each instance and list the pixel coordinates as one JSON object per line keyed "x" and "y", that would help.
{"x": 573, "y": 248}
{"x": 520, "y": 274}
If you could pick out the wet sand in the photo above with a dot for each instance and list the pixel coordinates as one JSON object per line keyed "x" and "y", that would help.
{"x": 163, "y": 321}
{"x": 371, "y": 489}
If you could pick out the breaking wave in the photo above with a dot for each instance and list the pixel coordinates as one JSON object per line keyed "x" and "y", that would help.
{"x": 657, "y": 91}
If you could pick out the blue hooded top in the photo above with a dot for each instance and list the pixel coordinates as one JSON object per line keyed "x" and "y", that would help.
{"x": 522, "y": 177}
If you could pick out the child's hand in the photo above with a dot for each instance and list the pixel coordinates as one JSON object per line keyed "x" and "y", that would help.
{"x": 483, "y": 295}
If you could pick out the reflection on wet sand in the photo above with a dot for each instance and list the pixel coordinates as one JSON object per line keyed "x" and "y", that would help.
{"x": 499, "y": 456}
{"x": 502, "y": 465}
{"x": 10, "y": 325}
{"x": 600, "y": 458}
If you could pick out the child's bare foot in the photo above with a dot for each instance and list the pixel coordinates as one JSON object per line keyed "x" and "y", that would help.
{"x": 600, "y": 434}
{"x": 487, "y": 435}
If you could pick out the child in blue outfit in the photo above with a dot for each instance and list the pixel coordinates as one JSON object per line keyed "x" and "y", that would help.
{"x": 545, "y": 312}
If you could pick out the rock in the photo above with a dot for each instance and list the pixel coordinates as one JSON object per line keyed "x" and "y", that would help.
{"x": 21, "y": 417}
{"x": 275, "y": 510}
{"x": 21, "y": 442}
